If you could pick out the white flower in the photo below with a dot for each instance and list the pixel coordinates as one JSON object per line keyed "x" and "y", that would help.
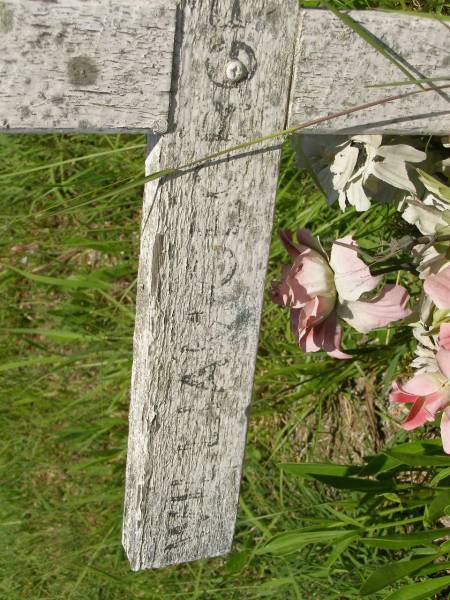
{"x": 429, "y": 214}
{"x": 429, "y": 260}
{"x": 444, "y": 167}
{"x": 354, "y": 170}
{"x": 425, "y": 361}
{"x": 316, "y": 153}
{"x": 384, "y": 163}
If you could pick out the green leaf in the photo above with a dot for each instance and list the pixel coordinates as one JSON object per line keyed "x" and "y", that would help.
{"x": 392, "y": 498}
{"x": 420, "y": 591}
{"x": 440, "y": 476}
{"x": 286, "y": 543}
{"x": 309, "y": 470}
{"x": 420, "y": 447}
{"x": 357, "y": 484}
{"x": 71, "y": 283}
{"x": 420, "y": 454}
{"x": 270, "y": 585}
{"x": 60, "y": 335}
{"x": 421, "y": 460}
{"x": 390, "y": 373}
{"x": 434, "y": 186}
{"x": 379, "y": 464}
{"x": 59, "y": 163}
{"x": 406, "y": 540}
{"x": 438, "y": 507}
{"x": 237, "y": 561}
{"x": 436, "y": 568}
{"x": 339, "y": 548}
{"x": 444, "y": 548}
{"x": 391, "y": 573}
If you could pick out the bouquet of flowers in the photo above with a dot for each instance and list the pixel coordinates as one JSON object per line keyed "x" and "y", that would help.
{"x": 324, "y": 288}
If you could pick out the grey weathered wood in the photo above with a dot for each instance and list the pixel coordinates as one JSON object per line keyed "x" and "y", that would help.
{"x": 205, "y": 242}
{"x": 334, "y": 65}
{"x": 95, "y": 65}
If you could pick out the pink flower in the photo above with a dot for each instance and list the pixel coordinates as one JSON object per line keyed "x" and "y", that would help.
{"x": 429, "y": 393}
{"x": 437, "y": 286}
{"x": 320, "y": 291}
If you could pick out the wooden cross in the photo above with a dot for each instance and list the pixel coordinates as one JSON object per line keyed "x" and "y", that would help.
{"x": 208, "y": 74}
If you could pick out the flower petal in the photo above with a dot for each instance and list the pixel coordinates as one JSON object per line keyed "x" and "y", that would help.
{"x": 302, "y": 322}
{"x": 443, "y": 361}
{"x": 343, "y": 165}
{"x": 402, "y": 152}
{"x": 438, "y": 288}
{"x": 332, "y": 335}
{"x": 445, "y": 433}
{"x": 315, "y": 276}
{"x": 399, "y": 395}
{"x": 444, "y": 336}
{"x": 306, "y": 238}
{"x": 286, "y": 238}
{"x": 436, "y": 402}
{"x": 418, "y": 416}
{"x": 351, "y": 275}
{"x": 342, "y": 199}
{"x": 421, "y": 385}
{"x": 387, "y": 307}
{"x": 371, "y": 140}
{"x": 307, "y": 342}
{"x": 424, "y": 215}
{"x": 393, "y": 172}
{"x": 356, "y": 195}
{"x": 324, "y": 335}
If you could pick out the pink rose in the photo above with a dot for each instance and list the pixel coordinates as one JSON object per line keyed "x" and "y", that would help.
{"x": 429, "y": 393}
{"x": 320, "y": 291}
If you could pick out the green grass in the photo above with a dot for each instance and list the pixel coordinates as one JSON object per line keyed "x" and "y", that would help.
{"x": 68, "y": 261}
{"x": 67, "y": 286}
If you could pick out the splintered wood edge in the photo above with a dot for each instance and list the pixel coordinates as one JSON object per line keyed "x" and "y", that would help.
{"x": 334, "y": 67}
{"x": 97, "y": 66}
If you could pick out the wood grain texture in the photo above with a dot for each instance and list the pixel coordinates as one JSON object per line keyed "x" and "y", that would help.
{"x": 334, "y": 65}
{"x": 205, "y": 243}
{"x": 91, "y": 65}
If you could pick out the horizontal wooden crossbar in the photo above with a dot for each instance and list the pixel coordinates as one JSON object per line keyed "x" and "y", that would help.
{"x": 335, "y": 68}
{"x": 91, "y": 66}
{"x": 104, "y": 66}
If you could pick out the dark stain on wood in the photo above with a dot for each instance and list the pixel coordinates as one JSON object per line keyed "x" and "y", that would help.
{"x": 82, "y": 70}
{"x": 156, "y": 262}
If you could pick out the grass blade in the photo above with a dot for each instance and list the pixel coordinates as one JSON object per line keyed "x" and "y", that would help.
{"x": 405, "y": 540}
{"x": 391, "y": 573}
{"x": 421, "y": 591}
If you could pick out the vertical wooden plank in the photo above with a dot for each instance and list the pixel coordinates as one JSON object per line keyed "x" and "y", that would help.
{"x": 205, "y": 242}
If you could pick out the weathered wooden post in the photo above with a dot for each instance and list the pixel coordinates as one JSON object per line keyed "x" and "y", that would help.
{"x": 210, "y": 73}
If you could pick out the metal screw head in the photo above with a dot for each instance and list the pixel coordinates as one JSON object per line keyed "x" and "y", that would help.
{"x": 236, "y": 70}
